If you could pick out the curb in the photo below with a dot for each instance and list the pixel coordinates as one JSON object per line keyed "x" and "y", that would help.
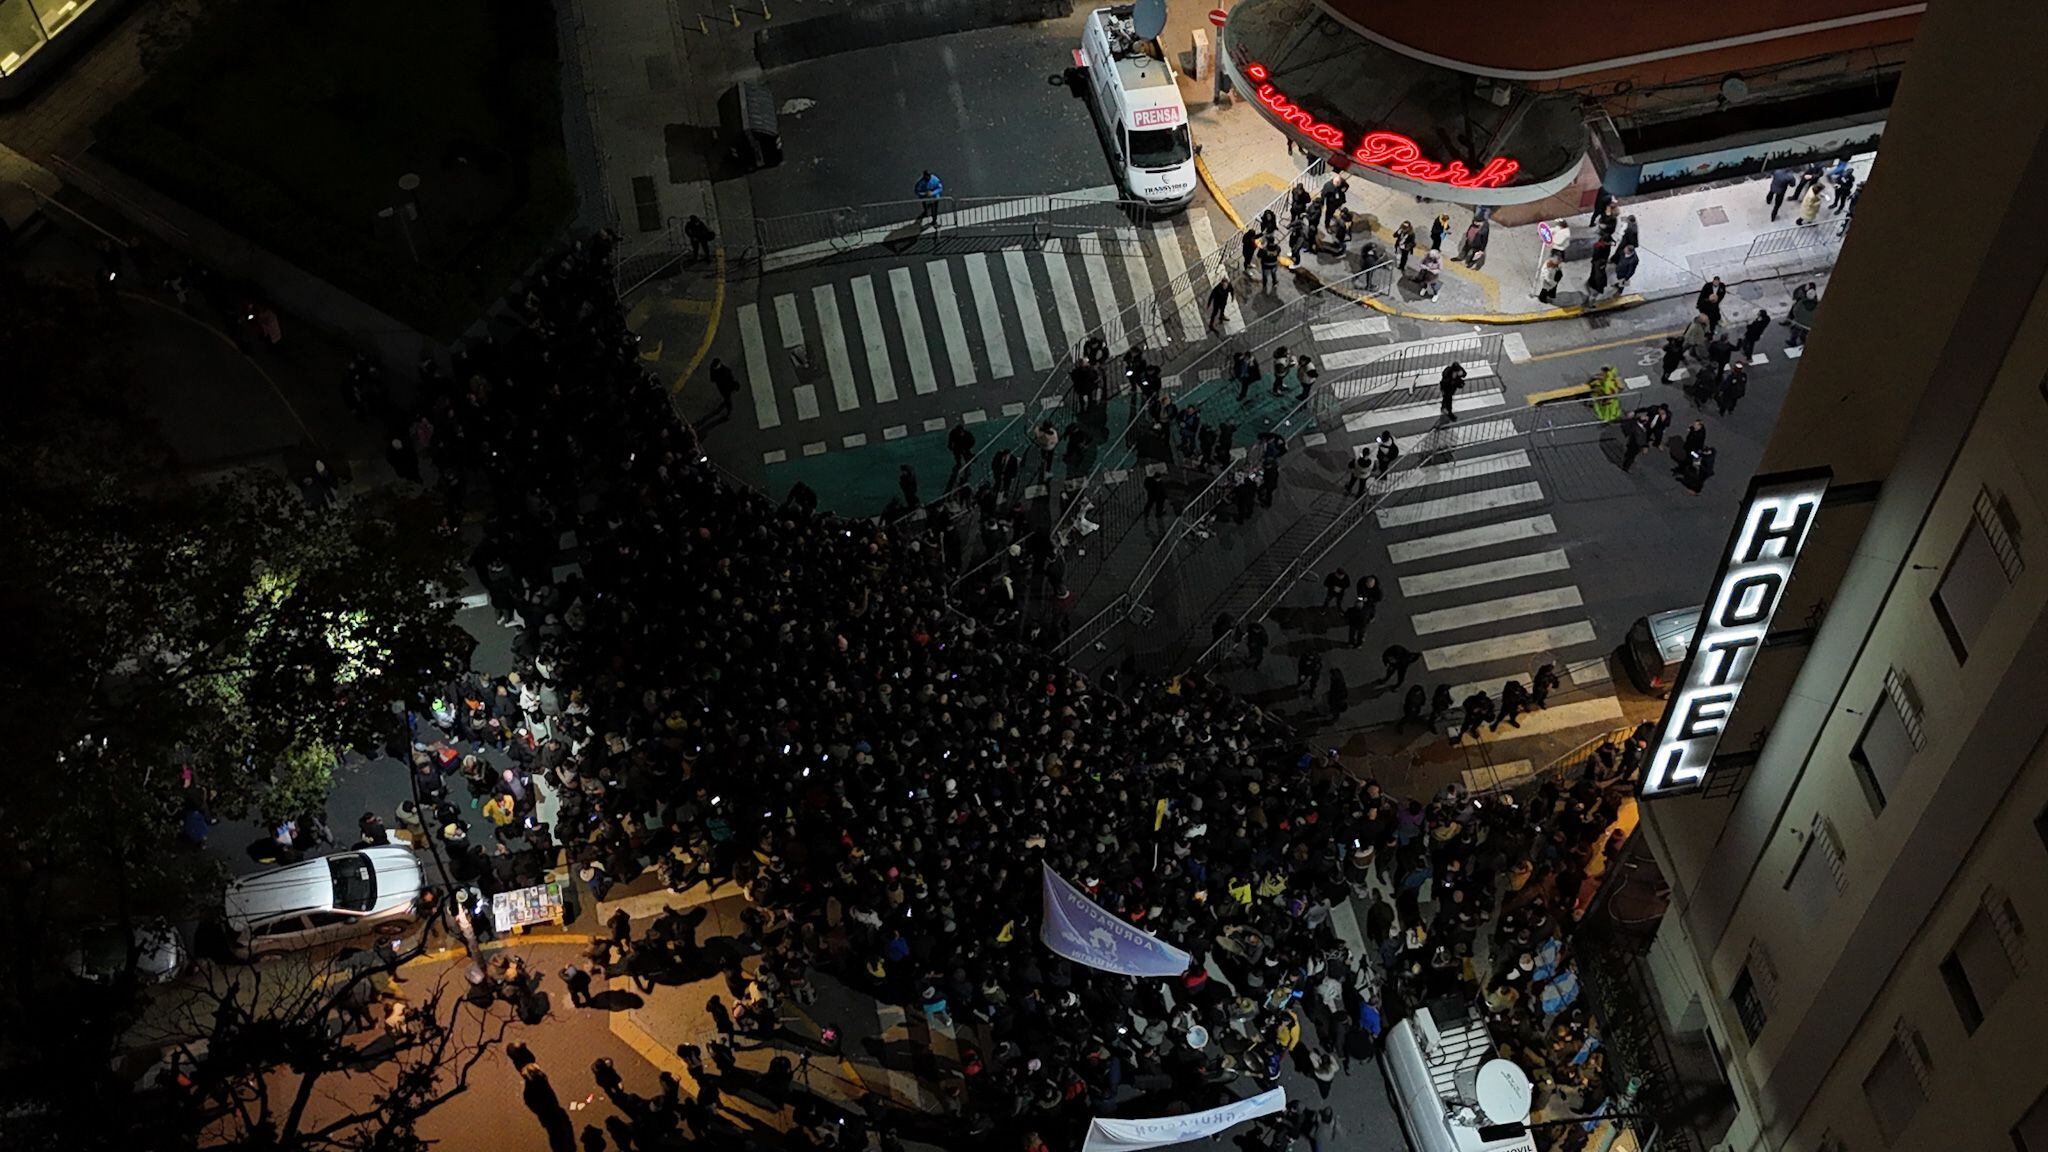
{"x": 1237, "y": 222}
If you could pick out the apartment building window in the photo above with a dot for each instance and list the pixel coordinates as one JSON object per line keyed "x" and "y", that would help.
{"x": 1749, "y": 1005}
{"x": 2031, "y": 1133}
{"x": 1894, "y": 731}
{"x": 1755, "y": 990}
{"x": 1977, "y": 970}
{"x": 1986, "y": 563}
{"x": 1894, "y": 1089}
{"x": 1819, "y": 873}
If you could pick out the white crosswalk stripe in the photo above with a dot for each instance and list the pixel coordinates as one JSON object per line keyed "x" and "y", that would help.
{"x": 1029, "y": 321}
{"x": 806, "y": 402}
{"x": 910, "y": 321}
{"x": 1469, "y": 400}
{"x": 1450, "y": 470}
{"x": 1506, "y": 647}
{"x": 1472, "y": 435}
{"x": 1463, "y": 504}
{"x": 1166, "y": 239}
{"x": 1351, "y": 329}
{"x": 760, "y": 382}
{"x": 950, "y": 325}
{"x": 787, "y": 319}
{"x": 1151, "y": 323}
{"x": 1205, "y": 243}
{"x": 1466, "y": 539}
{"x": 983, "y": 290}
{"x": 1494, "y": 611}
{"x": 1067, "y": 305}
{"x": 834, "y": 335}
{"x": 1493, "y": 571}
{"x": 867, "y": 312}
{"x": 1107, "y": 311}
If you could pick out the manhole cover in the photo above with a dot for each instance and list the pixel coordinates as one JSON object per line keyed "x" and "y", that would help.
{"x": 1714, "y": 215}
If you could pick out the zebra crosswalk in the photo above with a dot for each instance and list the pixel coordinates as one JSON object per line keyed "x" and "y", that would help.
{"x": 968, "y": 331}
{"x": 1477, "y": 560}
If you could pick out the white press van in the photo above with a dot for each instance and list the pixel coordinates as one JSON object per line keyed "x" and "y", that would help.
{"x": 1138, "y": 110}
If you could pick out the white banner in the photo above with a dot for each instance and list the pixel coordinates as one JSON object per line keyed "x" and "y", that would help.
{"x": 1119, "y": 1135}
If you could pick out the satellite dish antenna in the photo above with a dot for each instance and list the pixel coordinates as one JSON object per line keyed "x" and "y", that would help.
{"x": 1148, "y": 18}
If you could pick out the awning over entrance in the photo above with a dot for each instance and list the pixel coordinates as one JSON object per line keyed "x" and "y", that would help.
{"x": 1413, "y": 126}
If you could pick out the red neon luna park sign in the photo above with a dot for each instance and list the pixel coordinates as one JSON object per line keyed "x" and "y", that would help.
{"x": 1389, "y": 150}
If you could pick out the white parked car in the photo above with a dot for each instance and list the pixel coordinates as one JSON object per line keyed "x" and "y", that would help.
{"x": 316, "y": 902}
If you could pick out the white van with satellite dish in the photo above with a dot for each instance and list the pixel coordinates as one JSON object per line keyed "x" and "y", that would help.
{"x": 1137, "y": 104}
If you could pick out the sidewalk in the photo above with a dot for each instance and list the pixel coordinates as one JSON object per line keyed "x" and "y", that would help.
{"x": 1688, "y": 235}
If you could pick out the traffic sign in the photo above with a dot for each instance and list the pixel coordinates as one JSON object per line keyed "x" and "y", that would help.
{"x": 1543, "y": 232}
{"x": 1217, "y": 16}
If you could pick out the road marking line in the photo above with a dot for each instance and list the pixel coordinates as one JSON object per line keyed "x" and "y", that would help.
{"x": 1680, "y": 374}
{"x": 759, "y": 381}
{"x": 1516, "y": 346}
{"x": 1493, "y": 777}
{"x": 1167, "y": 239}
{"x": 817, "y": 449}
{"x": 868, "y": 311}
{"x": 1028, "y": 316}
{"x": 774, "y": 456}
{"x": 895, "y": 432}
{"x": 1067, "y": 304}
{"x": 990, "y": 316}
{"x": 1351, "y": 329}
{"x": 934, "y": 423}
{"x": 1604, "y": 710}
{"x": 789, "y": 321}
{"x": 806, "y": 402}
{"x": 1458, "y": 436}
{"x": 1205, "y": 242}
{"x": 1794, "y": 351}
{"x": 1491, "y": 572}
{"x": 1374, "y": 385}
{"x": 1140, "y": 274}
{"x": 854, "y": 440}
{"x": 910, "y": 322}
{"x": 1509, "y": 646}
{"x": 1493, "y": 611}
{"x": 1462, "y": 504}
{"x": 1634, "y": 382}
{"x": 1015, "y": 408}
{"x": 1108, "y": 313}
{"x": 843, "y": 391}
{"x": 950, "y": 325}
{"x": 1424, "y": 475}
{"x": 1760, "y": 358}
{"x": 1588, "y": 672}
{"x": 1314, "y": 440}
{"x": 1466, "y": 539}
{"x": 1405, "y": 413}
{"x": 1490, "y": 687}
{"x": 975, "y": 417}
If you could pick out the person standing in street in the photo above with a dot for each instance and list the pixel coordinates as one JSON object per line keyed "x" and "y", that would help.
{"x": 928, "y": 189}
{"x": 1781, "y": 183}
{"x": 700, "y": 237}
{"x": 1625, "y": 263}
{"x": 1308, "y": 672}
{"x": 1357, "y": 472}
{"x": 960, "y": 442}
{"x": 1633, "y": 439}
{"x": 1542, "y": 685}
{"x": 1448, "y": 385}
{"x": 1404, "y": 246}
{"x": 1255, "y": 642}
{"x": 1809, "y": 206}
{"x": 1155, "y": 496}
{"x": 1553, "y": 275}
{"x": 1340, "y": 693}
{"x": 1438, "y": 229}
{"x": 1249, "y": 243}
{"x": 1335, "y": 585}
{"x": 1708, "y": 302}
{"x": 728, "y": 386}
{"x": 1478, "y": 710}
{"x": 1514, "y": 700}
{"x": 1674, "y": 355}
{"x": 1282, "y": 365}
{"x": 1356, "y": 618}
{"x": 906, "y": 479}
{"x": 577, "y": 979}
{"x": 1808, "y": 177}
{"x": 1753, "y": 332}
{"x": 1269, "y": 266}
{"x": 1397, "y": 660}
{"x": 1734, "y": 386}
{"x": 1219, "y": 303}
{"x": 1384, "y": 452}
{"x": 720, "y": 1018}
{"x": 1596, "y": 280}
{"x": 1413, "y": 705}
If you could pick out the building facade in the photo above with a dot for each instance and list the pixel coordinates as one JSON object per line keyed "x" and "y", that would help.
{"x": 36, "y": 34}
{"x": 1548, "y": 105}
{"x": 1857, "y": 926}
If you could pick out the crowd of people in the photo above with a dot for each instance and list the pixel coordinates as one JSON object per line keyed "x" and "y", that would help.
{"x": 725, "y": 686}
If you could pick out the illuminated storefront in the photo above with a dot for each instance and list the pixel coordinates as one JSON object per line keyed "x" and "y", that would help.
{"x": 1509, "y": 112}
{"x": 34, "y": 33}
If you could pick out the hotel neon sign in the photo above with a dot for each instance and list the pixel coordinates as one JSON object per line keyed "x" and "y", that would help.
{"x": 1391, "y": 151}
{"x": 1772, "y": 528}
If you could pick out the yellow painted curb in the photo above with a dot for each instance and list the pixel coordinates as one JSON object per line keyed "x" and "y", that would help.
{"x": 1568, "y": 392}
{"x": 1237, "y": 222}
{"x": 711, "y": 328}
